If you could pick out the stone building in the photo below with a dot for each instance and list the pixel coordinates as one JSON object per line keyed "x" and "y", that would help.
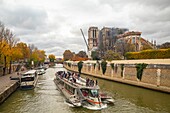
{"x": 93, "y": 38}
{"x": 108, "y": 37}
{"x": 116, "y": 39}
{"x": 104, "y": 39}
{"x": 134, "y": 38}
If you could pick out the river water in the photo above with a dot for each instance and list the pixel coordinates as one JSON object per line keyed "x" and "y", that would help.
{"x": 45, "y": 98}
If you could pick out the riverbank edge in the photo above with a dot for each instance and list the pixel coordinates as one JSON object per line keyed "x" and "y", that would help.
{"x": 129, "y": 82}
{"x": 8, "y": 91}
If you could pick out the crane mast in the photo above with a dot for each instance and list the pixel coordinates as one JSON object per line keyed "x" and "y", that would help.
{"x": 88, "y": 50}
{"x": 84, "y": 39}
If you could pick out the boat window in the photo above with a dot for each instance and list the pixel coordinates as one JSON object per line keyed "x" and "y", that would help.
{"x": 84, "y": 92}
{"x": 94, "y": 92}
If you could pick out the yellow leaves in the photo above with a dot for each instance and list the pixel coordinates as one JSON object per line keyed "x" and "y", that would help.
{"x": 38, "y": 55}
{"x": 51, "y": 57}
{"x": 20, "y": 52}
{"x": 24, "y": 49}
{"x": 4, "y": 47}
{"x": 17, "y": 54}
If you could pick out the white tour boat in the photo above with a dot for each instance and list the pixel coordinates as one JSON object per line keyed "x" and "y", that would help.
{"x": 78, "y": 93}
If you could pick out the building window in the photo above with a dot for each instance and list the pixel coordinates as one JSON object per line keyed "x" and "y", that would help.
{"x": 133, "y": 40}
{"x": 108, "y": 33}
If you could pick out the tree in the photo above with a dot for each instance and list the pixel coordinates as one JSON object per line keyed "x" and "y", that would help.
{"x": 123, "y": 47}
{"x": 146, "y": 46}
{"x": 17, "y": 54}
{"x": 7, "y": 42}
{"x": 25, "y": 50}
{"x": 165, "y": 45}
{"x": 104, "y": 66}
{"x": 12, "y": 41}
{"x": 11, "y": 50}
{"x": 110, "y": 55}
{"x": 82, "y": 54}
{"x": 95, "y": 55}
{"x": 2, "y": 41}
{"x": 139, "y": 69}
{"x": 31, "y": 48}
{"x": 68, "y": 55}
{"x": 38, "y": 56}
{"x": 3, "y": 47}
{"x": 77, "y": 58}
{"x": 51, "y": 57}
{"x": 4, "y": 54}
{"x": 80, "y": 65}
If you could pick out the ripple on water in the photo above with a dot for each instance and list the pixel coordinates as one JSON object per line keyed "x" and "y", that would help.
{"x": 45, "y": 98}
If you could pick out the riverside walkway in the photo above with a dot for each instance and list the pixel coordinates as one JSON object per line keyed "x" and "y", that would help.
{"x": 7, "y": 86}
{"x": 5, "y": 81}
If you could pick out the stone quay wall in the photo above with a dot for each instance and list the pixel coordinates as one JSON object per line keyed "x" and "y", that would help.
{"x": 156, "y": 76}
{"x": 8, "y": 91}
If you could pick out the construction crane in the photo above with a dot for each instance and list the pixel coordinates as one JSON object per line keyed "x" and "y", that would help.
{"x": 84, "y": 39}
{"x": 88, "y": 52}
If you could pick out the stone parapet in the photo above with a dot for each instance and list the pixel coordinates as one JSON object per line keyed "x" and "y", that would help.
{"x": 155, "y": 76}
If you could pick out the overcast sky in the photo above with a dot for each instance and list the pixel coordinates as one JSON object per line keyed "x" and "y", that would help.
{"x": 54, "y": 25}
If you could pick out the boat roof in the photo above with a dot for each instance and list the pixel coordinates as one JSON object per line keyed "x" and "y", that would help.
{"x": 76, "y": 85}
{"x": 81, "y": 85}
{"x": 30, "y": 72}
{"x": 85, "y": 87}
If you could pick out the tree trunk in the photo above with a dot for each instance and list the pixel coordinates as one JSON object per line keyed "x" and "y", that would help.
{"x": 4, "y": 68}
{"x": 10, "y": 66}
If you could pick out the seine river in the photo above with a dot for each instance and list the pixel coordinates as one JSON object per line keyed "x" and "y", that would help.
{"x": 45, "y": 98}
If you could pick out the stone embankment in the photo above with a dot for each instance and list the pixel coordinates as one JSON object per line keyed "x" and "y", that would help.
{"x": 7, "y": 86}
{"x": 156, "y": 76}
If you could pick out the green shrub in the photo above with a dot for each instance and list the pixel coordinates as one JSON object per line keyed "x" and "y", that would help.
{"x": 104, "y": 66}
{"x": 94, "y": 65}
{"x": 98, "y": 64}
{"x": 112, "y": 65}
{"x": 69, "y": 64}
{"x": 139, "y": 69}
{"x": 80, "y": 65}
{"x": 122, "y": 68}
{"x": 149, "y": 54}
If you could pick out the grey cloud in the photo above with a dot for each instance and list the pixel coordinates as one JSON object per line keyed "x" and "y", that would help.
{"x": 148, "y": 14}
{"x": 1, "y": 1}
{"x": 121, "y": 3}
{"x": 56, "y": 28}
{"x": 156, "y": 3}
{"x": 23, "y": 17}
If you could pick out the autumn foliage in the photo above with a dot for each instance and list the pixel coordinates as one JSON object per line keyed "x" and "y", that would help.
{"x": 68, "y": 55}
{"x": 52, "y": 57}
{"x": 13, "y": 51}
{"x": 77, "y": 58}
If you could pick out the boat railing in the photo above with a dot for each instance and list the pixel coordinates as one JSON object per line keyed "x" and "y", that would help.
{"x": 79, "y": 82}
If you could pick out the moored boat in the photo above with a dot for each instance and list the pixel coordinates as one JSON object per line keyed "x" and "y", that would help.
{"x": 29, "y": 79}
{"x": 77, "y": 91}
{"x": 40, "y": 71}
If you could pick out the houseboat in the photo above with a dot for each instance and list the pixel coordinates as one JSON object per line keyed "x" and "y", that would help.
{"x": 80, "y": 92}
{"x": 40, "y": 71}
{"x": 29, "y": 79}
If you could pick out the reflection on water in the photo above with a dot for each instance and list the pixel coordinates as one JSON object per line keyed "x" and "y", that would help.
{"x": 135, "y": 99}
{"x": 45, "y": 98}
